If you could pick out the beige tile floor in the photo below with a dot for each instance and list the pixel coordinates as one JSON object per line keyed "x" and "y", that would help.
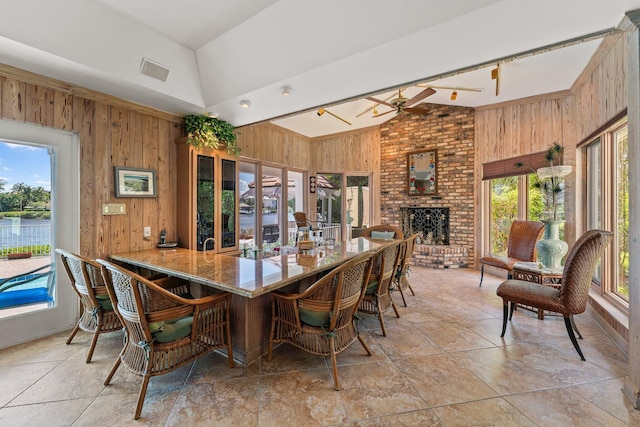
{"x": 443, "y": 363}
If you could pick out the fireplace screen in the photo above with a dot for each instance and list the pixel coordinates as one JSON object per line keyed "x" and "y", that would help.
{"x": 432, "y": 223}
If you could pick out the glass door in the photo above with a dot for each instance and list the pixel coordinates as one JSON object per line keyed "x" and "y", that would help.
{"x": 39, "y": 201}
{"x": 330, "y": 204}
{"x": 228, "y": 205}
{"x": 272, "y": 206}
{"x": 205, "y": 193}
{"x": 358, "y": 204}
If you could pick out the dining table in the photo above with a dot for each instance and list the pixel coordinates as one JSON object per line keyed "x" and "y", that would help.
{"x": 250, "y": 280}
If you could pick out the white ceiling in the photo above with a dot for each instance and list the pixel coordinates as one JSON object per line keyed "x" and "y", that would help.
{"x": 223, "y": 51}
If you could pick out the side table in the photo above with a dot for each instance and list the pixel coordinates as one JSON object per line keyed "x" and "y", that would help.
{"x": 532, "y": 272}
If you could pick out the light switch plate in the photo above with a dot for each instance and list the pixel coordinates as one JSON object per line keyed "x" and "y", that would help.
{"x": 147, "y": 232}
{"x": 114, "y": 209}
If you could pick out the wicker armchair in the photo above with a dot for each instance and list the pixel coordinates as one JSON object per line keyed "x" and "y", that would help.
{"x": 303, "y": 222}
{"x": 521, "y": 246}
{"x": 572, "y": 296}
{"x": 97, "y": 315}
{"x": 406, "y": 253}
{"x": 399, "y": 235}
{"x": 377, "y": 298}
{"x": 164, "y": 330}
{"x": 322, "y": 319}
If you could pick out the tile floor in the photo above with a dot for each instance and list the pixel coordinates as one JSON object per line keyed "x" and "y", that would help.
{"x": 443, "y": 363}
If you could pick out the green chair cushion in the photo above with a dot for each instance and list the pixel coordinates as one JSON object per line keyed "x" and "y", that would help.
{"x": 387, "y": 235}
{"x": 155, "y": 326}
{"x": 314, "y": 318}
{"x": 371, "y": 287}
{"x": 105, "y": 302}
{"x": 171, "y": 330}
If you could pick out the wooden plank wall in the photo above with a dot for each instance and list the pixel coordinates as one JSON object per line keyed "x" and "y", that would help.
{"x": 533, "y": 124}
{"x": 112, "y": 132}
{"x": 273, "y": 144}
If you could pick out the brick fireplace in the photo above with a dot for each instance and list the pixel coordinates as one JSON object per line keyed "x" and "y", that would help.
{"x": 450, "y": 131}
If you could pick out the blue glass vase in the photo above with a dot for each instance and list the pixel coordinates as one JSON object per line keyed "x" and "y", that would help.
{"x": 551, "y": 249}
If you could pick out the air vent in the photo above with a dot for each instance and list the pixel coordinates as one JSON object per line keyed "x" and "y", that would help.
{"x": 153, "y": 69}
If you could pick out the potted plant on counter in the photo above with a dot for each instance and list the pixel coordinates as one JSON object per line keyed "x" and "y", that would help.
{"x": 211, "y": 132}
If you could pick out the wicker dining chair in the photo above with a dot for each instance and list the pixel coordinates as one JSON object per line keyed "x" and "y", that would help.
{"x": 377, "y": 298}
{"x": 383, "y": 231}
{"x": 322, "y": 319}
{"x": 573, "y": 294}
{"x": 521, "y": 246}
{"x": 97, "y": 315}
{"x": 164, "y": 331}
{"x": 406, "y": 253}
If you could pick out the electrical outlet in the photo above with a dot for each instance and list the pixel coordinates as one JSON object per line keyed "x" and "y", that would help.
{"x": 147, "y": 232}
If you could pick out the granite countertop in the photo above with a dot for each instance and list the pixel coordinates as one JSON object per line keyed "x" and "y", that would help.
{"x": 245, "y": 276}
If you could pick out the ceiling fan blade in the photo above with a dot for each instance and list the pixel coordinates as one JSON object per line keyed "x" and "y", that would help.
{"x": 370, "y": 98}
{"x": 422, "y": 95}
{"x": 419, "y": 111}
{"x": 386, "y": 112}
{"x": 371, "y": 108}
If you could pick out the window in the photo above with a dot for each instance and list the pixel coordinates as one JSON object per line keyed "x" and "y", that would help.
{"x": 503, "y": 207}
{"x": 607, "y": 206}
{"x": 511, "y": 185}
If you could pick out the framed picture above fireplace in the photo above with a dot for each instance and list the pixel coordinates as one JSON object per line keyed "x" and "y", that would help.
{"x": 422, "y": 173}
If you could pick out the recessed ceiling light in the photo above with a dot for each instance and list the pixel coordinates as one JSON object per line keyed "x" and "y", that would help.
{"x": 245, "y": 103}
{"x": 285, "y": 90}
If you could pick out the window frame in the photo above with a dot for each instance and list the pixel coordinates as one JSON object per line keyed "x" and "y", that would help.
{"x": 606, "y": 138}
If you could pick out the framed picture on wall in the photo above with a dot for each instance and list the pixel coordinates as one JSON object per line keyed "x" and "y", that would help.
{"x": 422, "y": 173}
{"x": 135, "y": 182}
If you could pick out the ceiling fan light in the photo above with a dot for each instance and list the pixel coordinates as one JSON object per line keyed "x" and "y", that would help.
{"x": 454, "y": 95}
{"x": 245, "y": 103}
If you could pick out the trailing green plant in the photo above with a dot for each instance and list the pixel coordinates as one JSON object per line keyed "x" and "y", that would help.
{"x": 210, "y": 132}
{"x": 35, "y": 249}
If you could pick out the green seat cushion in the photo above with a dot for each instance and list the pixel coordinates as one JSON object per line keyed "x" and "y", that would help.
{"x": 171, "y": 330}
{"x": 314, "y": 318}
{"x": 371, "y": 287}
{"x": 105, "y": 302}
{"x": 387, "y": 235}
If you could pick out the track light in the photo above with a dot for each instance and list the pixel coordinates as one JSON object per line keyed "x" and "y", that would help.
{"x": 495, "y": 75}
{"x": 245, "y": 103}
{"x": 375, "y": 111}
{"x": 454, "y": 95}
{"x": 321, "y": 111}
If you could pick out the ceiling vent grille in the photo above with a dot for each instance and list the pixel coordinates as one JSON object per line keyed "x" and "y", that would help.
{"x": 153, "y": 69}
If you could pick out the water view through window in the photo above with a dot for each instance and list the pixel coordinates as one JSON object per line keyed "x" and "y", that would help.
{"x": 26, "y": 277}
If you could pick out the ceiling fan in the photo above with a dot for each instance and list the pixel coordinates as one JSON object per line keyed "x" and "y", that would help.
{"x": 401, "y": 104}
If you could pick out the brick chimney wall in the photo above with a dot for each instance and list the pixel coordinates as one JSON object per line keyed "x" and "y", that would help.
{"x": 449, "y": 130}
